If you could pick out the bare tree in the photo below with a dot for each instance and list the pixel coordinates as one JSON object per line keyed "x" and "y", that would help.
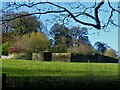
{"x": 64, "y": 13}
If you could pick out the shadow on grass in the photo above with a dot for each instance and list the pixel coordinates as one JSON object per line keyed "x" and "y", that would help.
{"x": 58, "y": 82}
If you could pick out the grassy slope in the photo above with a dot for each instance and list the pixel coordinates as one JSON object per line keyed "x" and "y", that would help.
{"x": 35, "y": 68}
{"x": 34, "y": 74}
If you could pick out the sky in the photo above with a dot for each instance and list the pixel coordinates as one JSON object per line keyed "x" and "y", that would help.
{"x": 111, "y": 37}
{"x": 56, "y": 0}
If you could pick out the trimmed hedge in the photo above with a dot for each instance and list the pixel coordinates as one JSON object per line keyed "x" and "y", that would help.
{"x": 47, "y": 56}
{"x": 42, "y": 56}
{"x": 63, "y": 57}
{"x": 105, "y": 59}
{"x": 72, "y": 57}
{"x": 38, "y": 56}
{"x": 97, "y": 58}
{"x": 25, "y": 56}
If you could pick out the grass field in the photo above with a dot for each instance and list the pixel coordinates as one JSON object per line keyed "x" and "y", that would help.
{"x": 47, "y": 73}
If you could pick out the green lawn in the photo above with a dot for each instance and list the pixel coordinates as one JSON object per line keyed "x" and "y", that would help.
{"x": 64, "y": 71}
{"x": 36, "y": 68}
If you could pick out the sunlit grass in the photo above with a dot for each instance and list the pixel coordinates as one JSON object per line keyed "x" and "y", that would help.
{"x": 36, "y": 68}
{"x": 39, "y": 74}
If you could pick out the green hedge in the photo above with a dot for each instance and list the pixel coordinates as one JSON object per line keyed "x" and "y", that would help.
{"x": 82, "y": 58}
{"x": 25, "y": 56}
{"x": 38, "y": 56}
{"x": 47, "y": 56}
{"x": 72, "y": 57}
{"x": 64, "y": 57}
{"x": 42, "y": 56}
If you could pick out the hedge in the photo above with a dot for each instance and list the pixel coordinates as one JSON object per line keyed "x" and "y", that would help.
{"x": 63, "y": 57}
{"x": 25, "y": 56}
{"x": 38, "y": 56}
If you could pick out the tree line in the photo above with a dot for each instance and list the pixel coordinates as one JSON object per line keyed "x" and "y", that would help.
{"x": 27, "y": 34}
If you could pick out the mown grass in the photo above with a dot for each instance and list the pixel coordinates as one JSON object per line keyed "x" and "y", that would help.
{"x": 57, "y": 74}
{"x": 36, "y": 68}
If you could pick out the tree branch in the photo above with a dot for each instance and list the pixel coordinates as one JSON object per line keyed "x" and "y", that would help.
{"x": 19, "y": 16}
{"x": 112, "y": 7}
{"x": 98, "y": 26}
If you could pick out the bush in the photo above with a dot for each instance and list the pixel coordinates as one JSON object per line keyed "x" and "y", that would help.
{"x": 16, "y": 49}
{"x": 35, "y": 42}
{"x": 5, "y": 48}
{"x": 60, "y": 48}
{"x": 82, "y": 49}
{"x": 110, "y": 53}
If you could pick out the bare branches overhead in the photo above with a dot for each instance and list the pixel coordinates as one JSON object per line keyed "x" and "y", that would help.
{"x": 73, "y": 12}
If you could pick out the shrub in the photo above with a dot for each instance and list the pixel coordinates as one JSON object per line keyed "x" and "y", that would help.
{"x": 16, "y": 49}
{"x": 60, "y": 48}
{"x": 82, "y": 49}
{"x": 5, "y": 48}
{"x": 34, "y": 42}
{"x": 110, "y": 53}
